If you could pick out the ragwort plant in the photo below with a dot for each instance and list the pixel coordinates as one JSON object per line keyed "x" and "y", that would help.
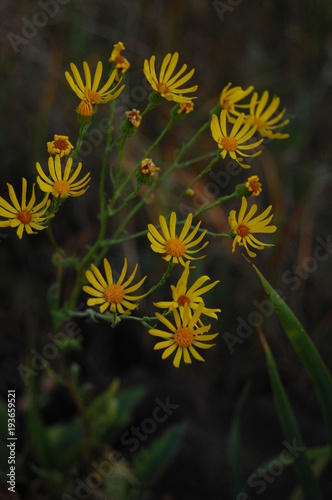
{"x": 237, "y": 127}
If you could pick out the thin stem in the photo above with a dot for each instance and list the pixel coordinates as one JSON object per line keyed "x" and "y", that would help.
{"x": 80, "y": 407}
{"x": 102, "y": 194}
{"x": 83, "y": 128}
{"x": 220, "y": 200}
{"x": 199, "y": 176}
{"x": 147, "y": 154}
{"x": 187, "y": 163}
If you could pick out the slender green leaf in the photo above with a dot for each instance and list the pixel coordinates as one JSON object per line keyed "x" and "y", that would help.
{"x": 152, "y": 461}
{"x": 291, "y": 429}
{"x": 313, "y": 454}
{"x": 307, "y": 352}
{"x": 234, "y": 444}
{"x": 318, "y": 468}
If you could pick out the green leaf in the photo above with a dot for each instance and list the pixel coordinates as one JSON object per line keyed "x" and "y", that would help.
{"x": 313, "y": 454}
{"x": 307, "y": 352}
{"x": 66, "y": 442}
{"x": 234, "y": 444}
{"x": 291, "y": 430}
{"x": 109, "y": 413}
{"x": 37, "y": 430}
{"x": 150, "y": 464}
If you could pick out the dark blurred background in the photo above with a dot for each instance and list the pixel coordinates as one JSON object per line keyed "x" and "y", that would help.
{"x": 284, "y": 47}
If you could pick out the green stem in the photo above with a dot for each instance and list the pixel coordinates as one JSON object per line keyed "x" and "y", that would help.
{"x": 147, "y": 154}
{"x": 187, "y": 163}
{"x": 220, "y": 200}
{"x": 161, "y": 281}
{"x": 83, "y": 128}
{"x": 199, "y": 176}
{"x": 102, "y": 194}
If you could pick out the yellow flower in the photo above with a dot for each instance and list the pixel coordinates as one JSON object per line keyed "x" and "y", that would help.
{"x": 253, "y": 185}
{"x": 235, "y": 142}
{"x": 108, "y": 293}
{"x": 167, "y": 85}
{"x": 245, "y": 226}
{"x": 176, "y": 248}
{"x": 184, "y": 336}
{"x": 120, "y": 62}
{"x": 88, "y": 92}
{"x": 62, "y": 184}
{"x": 192, "y": 296}
{"x": 60, "y": 146}
{"x": 185, "y": 107}
{"x": 231, "y": 96}
{"x": 26, "y": 216}
{"x": 263, "y": 118}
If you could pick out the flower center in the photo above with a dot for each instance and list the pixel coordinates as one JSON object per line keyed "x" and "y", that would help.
{"x": 226, "y": 104}
{"x": 61, "y": 144}
{"x": 184, "y": 337}
{"x": 114, "y": 293}
{"x": 183, "y": 299}
{"x": 255, "y": 186}
{"x": 119, "y": 59}
{"x": 242, "y": 230}
{"x": 259, "y": 122}
{"x": 229, "y": 143}
{"x": 62, "y": 188}
{"x": 93, "y": 96}
{"x": 162, "y": 88}
{"x": 175, "y": 247}
{"x": 24, "y": 216}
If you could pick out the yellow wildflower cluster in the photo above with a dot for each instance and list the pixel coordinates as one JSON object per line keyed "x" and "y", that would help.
{"x": 239, "y": 127}
{"x": 239, "y": 122}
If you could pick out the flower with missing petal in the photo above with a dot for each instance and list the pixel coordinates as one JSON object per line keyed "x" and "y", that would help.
{"x": 184, "y": 336}
{"x": 24, "y": 216}
{"x": 230, "y": 98}
{"x": 263, "y": 116}
{"x": 62, "y": 185}
{"x": 235, "y": 143}
{"x": 176, "y": 248}
{"x": 121, "y": 64}
{"x": 134, "y": 117}
{"x": 245, "y": 226}
{"x": 192, "y": 295}
{"x": 167, "y": 84}
{"x": 107, "y": 293}
{"x": 185, "y": 107}
{"x": 253, "y": 185}
{"x": 60, "y": 146}
{"x": 88, "y": 91}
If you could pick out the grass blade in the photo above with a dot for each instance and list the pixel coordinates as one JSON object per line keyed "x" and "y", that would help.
{"x": 307, "y": 352}
{"x": 291, "y": 429}
{"x": 234, "y": 444}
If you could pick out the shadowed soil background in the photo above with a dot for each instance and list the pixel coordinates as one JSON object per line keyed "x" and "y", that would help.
{"x": 284, "y": 47}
